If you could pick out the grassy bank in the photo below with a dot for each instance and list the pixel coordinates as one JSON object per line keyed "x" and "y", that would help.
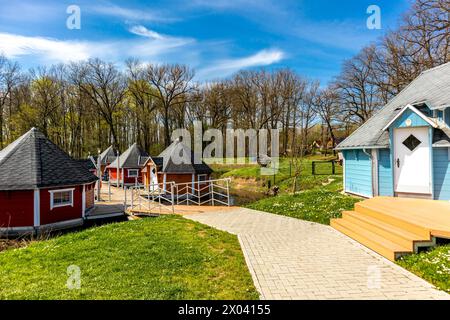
{"x": 433, "y": 266}
{"x": 161, "y": 258}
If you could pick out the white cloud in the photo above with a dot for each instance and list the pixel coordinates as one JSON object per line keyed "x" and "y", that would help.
{"x": 144, "y": 32}
{"x": 49, "y": 50}
{"x": 130, "y": 14}
{"x": 227, "y": 67}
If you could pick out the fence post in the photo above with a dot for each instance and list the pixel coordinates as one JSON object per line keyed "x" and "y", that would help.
{"x": 211, "y": 190}
{"x": 139, "y": 198}
{"x": 199, "y": 195}
{"x": 333, "y": 168}
{"x": 313, "y": 168}
{"x": 228, "y": 191}
{"x": 173, "y": 201}
{"x": 125, "y": 203}
{"x": 131, "y": 197}
{"x": 109, "y": 190}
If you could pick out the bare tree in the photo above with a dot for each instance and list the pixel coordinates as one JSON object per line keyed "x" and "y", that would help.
{"x": 173, "y": 83}
{"x": 106, "y": 86}
{"x": 327, "y": 106}
{"x": 9, "y": 78}
{"x": 143, "y": 97}
{"x": 357, "y": 89}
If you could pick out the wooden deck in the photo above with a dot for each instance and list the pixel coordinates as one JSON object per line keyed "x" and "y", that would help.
{"x": 396, "y": 226}
{"x": 108, "y": 206}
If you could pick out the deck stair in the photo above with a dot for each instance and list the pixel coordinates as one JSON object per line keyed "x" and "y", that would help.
{"x": 394, "y": 227}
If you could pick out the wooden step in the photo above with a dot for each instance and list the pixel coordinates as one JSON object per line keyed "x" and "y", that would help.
{"x": 383, "y": 214}
{"x": 395, "y": 234}
{"x": 377, "y": 243}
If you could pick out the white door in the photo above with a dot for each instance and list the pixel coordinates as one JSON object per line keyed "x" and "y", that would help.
{"x": 153, "y": 180}
{"x": 412, "y": 161}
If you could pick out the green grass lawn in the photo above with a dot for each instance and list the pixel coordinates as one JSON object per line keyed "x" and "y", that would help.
{"x": 316, "y": 198}
{"x": 160, "y": 258}
{"x": 433, "y": 266}
{"x": 319, "y": 204}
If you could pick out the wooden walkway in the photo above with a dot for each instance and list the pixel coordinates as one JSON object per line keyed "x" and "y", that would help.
{"x": 108, "y": 206}
{"x": 396, "y": 226}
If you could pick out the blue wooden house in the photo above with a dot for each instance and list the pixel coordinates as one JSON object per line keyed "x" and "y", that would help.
{"x": 404, "y": 149}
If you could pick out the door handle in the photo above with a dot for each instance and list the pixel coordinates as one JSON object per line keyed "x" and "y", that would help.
{"x": 398, "y": 162}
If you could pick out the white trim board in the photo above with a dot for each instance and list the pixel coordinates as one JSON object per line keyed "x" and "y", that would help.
{"x": 415, "y": 110}
{"x": 52, "y": 192}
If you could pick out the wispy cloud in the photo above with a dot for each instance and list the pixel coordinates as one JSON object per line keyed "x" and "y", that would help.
{"x": 130, "y": 14}
{"x": 50, "y": 50}
{"x": 227, "y": 67}
{"x": 144, "y": 32}
{"x": 14, "y": 46}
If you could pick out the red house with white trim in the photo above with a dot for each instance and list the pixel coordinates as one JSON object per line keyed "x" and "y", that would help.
{"x": 127, "y": 168}
{"x": 42, "y": 187}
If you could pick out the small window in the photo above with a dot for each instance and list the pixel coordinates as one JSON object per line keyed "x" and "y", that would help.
{"x": 412, "y": 142}
{"x": 61, "y": 198}
{"x": 202, "y": 178}
{"x": 133, "y": 173}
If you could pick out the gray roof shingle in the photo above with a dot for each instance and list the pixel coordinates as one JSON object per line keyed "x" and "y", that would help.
{"x": 109, "y": 155}
{"x": 134, "y": 157}
{"x": 432, "y": 87}
{"x": 187, "y": 164}
{"x": 33, "y": 161}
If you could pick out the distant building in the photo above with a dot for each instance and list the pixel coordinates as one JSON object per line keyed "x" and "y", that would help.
{"x": 127, "y": 169}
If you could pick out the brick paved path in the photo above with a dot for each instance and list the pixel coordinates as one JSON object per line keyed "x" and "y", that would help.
{"x": 295, "y": 259}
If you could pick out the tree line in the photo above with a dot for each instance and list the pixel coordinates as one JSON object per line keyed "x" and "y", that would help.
{"x": 86, "y": 106}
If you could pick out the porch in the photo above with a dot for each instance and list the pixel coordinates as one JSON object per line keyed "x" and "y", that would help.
{"x": 394, "y": 227}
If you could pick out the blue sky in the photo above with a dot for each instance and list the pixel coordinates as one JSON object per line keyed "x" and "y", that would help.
{"x": 214, "y": 37}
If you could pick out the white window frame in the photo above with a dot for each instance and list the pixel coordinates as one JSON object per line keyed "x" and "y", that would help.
{"x": 133, "y": 176}
{"x": 52, "y": 193}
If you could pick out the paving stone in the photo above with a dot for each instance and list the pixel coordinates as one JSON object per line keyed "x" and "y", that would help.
{"x": 294, "y": 259}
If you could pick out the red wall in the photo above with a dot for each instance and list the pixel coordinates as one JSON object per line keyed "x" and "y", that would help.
{"x": 16, "y": 209}
{"x": 63, "y": 213}
{"x": 90, "y": 196}
{"x": 128, "y": 180}
{"x": 182, "y": 178}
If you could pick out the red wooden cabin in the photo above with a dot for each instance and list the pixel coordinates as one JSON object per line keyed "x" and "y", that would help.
{"x": 127, "y": 168}
{"x": 163, "y": 169}
{"x": 42, "y": 187}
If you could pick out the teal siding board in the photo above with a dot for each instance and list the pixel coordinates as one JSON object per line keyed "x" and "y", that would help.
{"x": 441, "y": 166}
{"x": 416, "y": 120}
{"x": 358, "y": 173}
{"x": 447, "y": 116}
{"x": 385, "y": 178}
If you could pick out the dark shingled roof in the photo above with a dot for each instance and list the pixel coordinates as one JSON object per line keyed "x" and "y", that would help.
{"x": 88, "y": 163}
{"x": 431, "y": 87}
{"x": 33, "y": 161}
{"x": 109, "y": 155}
{"x": 186, "y": 156}
{"x": 134, "y": 157}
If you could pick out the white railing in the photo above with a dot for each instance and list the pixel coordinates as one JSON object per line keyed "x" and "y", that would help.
{"x": 154, "y": 199}
{"x": 199, "y": 193}
{"x": 161, "y": 198}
